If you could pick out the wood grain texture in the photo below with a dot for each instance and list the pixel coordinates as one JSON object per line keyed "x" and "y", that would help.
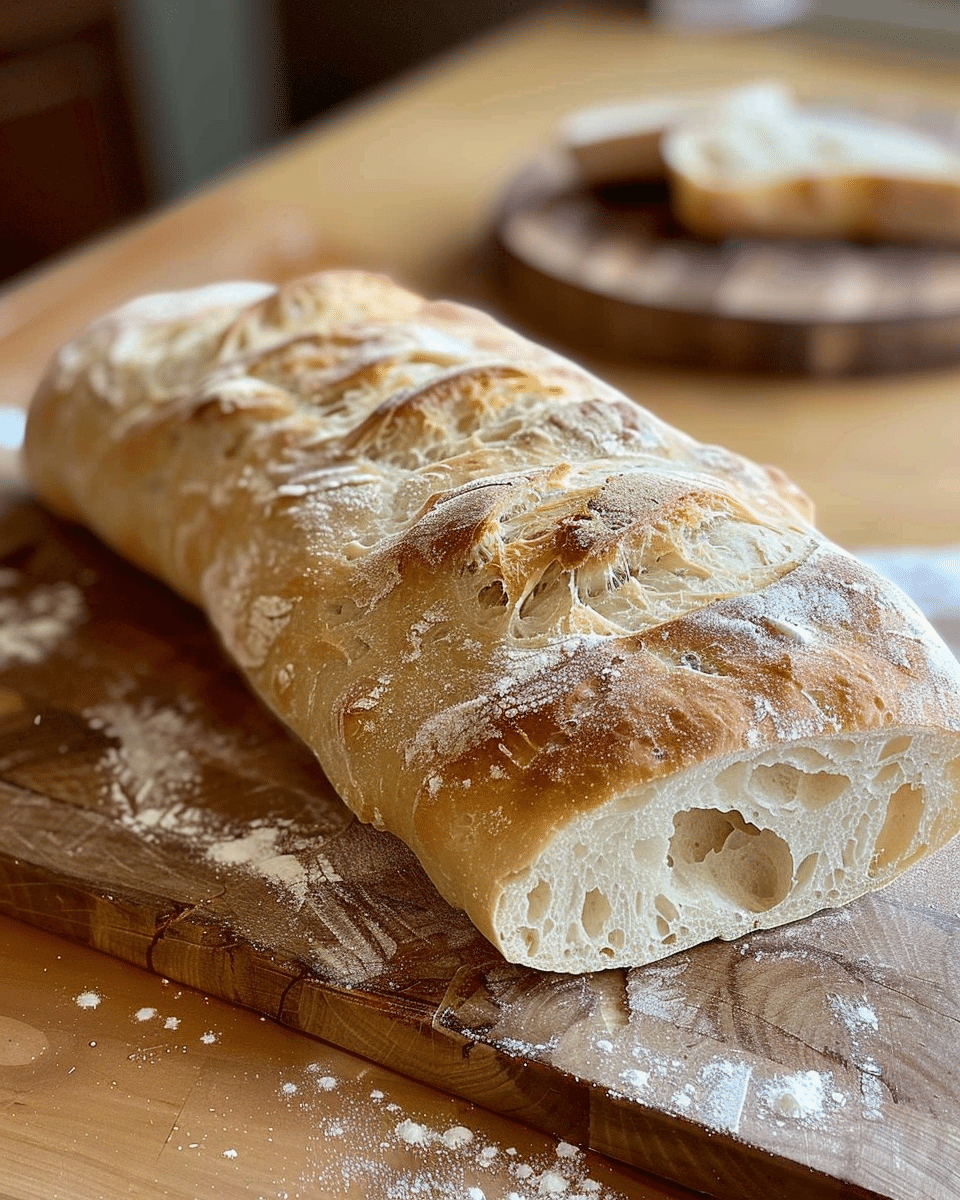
{"x": 878, "y": 454}
{"x": 162, "y": 1091}
{"x": 151, "y": 809}
{"x": 611, "y": 272}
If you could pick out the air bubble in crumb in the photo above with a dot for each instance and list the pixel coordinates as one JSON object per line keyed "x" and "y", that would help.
{"x": 87, "y": 1000}
{"x": 145, "y": 1014}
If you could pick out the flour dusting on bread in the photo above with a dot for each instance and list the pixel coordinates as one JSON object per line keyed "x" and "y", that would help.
{"x": 610, "y": 685}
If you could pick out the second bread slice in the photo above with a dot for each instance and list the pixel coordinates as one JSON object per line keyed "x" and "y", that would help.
{"x": 783, "y": 171}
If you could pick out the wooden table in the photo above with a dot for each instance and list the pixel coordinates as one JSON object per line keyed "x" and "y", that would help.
{"x": 156, "y": 1091}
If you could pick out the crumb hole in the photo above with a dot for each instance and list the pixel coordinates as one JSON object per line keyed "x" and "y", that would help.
{"x": 596, "y": 913}
{"x": 905, "y": 810}
{"x": 782, "y": 783}
{"x": 897, "y": 745}
{"x": 806, "y": 870}
{"x": 538, "y": 902}
{"x": 750, "y": 867}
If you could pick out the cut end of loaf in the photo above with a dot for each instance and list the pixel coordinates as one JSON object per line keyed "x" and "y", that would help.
{"x": 751, "y": 842}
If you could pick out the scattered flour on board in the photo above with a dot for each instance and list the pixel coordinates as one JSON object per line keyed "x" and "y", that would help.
{"x": 725, "y": 1085}
{"x": 800, "y": 1097}
{"x": 88, "y": 1000}
{"x": 153, "y": 768}
{"x": 32, "y": 625}
{"x": 257, "y": 849}
{"x": 858, "y": 1016}
{"x": 861, "y": 1022}
{"x": 154, "y": 775}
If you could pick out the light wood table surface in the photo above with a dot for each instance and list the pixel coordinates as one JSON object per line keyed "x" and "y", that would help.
{"x": 405, "y": 182}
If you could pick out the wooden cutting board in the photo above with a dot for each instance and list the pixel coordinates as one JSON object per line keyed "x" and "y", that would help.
{"x": 149, "y": 807}
{"x": 610, "y": 271}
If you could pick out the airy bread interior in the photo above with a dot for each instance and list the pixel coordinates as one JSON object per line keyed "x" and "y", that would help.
{"x": 610, "y": 684}
{"x": 751, "y": 841}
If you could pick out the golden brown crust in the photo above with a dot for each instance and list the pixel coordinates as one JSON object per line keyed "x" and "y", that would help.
{"x": 498, "y": 599}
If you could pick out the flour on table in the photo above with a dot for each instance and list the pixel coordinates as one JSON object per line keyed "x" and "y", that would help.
{"x": 423, "y": 1160}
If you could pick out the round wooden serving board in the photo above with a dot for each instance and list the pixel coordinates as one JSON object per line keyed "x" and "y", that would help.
{"x": 610, "y": 271}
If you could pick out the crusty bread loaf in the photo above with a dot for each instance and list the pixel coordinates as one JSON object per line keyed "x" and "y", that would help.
{"x": 609, "y": 684}
{"x": 621, "y": 143}
{"x": 778, "y": 170}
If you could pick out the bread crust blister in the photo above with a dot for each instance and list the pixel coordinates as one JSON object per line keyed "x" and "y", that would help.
{"x": 609, "y": 684}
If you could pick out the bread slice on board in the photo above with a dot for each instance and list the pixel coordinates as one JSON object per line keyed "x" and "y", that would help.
{"x": 621, "y": 143}
{"x": 610, "y": 684}
{"x": 779, "y": 170}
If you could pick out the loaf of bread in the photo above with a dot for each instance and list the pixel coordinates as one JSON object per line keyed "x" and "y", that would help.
{"x": 610, "y": 684}
{"x": 776, "y": 169}
{"x": 621, "y": 143}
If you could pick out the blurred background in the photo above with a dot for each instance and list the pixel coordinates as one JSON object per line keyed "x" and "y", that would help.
{"x": 110, "y": 108}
